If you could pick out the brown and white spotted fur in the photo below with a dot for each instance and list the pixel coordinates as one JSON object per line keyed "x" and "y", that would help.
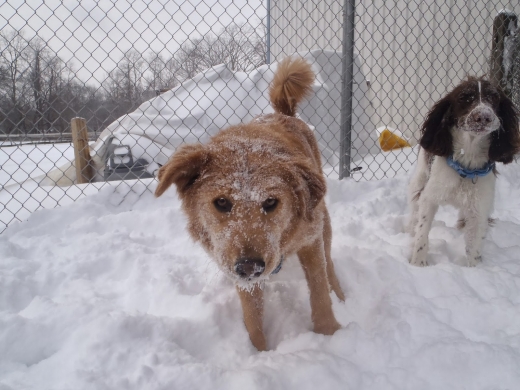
{"x": 476, "y": 124}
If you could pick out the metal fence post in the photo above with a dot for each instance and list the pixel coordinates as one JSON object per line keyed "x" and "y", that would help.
{"x": 346, "y": 88}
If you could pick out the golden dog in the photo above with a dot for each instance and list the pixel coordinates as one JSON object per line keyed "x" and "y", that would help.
{"x": 254, "y": 195}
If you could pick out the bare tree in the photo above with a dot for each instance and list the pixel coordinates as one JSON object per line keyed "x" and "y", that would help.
{"x": 49, "y": 78}
{"x": 156, "y": 69}
{"x": 161, "y": 74}
{"x": 261, "y": 40}
{"x": 240, "y": 46}
{"x": 13, "y": 61}
{"x": 190, "y": 59}
{"x": 39, "y": 91}
{"x": 124, "y": 85}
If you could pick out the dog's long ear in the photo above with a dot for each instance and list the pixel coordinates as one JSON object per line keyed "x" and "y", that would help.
{"x": 436, "y": 136}
{"x": 183, "y": 169}
{"x": 505, "y": 142}
{"x": 309, "y": 186}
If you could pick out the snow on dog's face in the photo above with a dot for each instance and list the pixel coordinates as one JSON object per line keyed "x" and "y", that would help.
{"x": 478, "y": 107}
{"x": 475, "y": 105}
{"x": 243, "y": 199}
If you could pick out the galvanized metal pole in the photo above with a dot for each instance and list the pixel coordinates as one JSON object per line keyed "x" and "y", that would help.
{"x": 349, "y": 9}
{"x": 268, "y": 33}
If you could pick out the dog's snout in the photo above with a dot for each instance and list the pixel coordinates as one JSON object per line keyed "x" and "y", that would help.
{"x": 483, "y": 117}
{"x": 249, "y": 267}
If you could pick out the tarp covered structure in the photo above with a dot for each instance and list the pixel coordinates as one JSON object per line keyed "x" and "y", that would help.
{"x": 219, "y": 97}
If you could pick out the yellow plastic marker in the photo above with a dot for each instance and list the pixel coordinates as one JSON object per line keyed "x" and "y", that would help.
{"x": 390, "y": 141}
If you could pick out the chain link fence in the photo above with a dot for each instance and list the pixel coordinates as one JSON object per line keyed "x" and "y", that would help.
{"x": 148, "y": 76}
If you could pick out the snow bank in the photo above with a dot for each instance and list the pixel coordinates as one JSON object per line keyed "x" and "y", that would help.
{"x": 110, "y": 293}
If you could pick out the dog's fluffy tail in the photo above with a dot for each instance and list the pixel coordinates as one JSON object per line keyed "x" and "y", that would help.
{"x": 291, "y": 83}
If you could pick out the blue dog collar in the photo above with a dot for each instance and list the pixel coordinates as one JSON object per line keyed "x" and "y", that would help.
{"x": 278, "y": 268}
{"x": 466, "y": 173}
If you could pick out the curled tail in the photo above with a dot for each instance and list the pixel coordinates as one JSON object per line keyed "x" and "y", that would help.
{"x": 291, "y": 83}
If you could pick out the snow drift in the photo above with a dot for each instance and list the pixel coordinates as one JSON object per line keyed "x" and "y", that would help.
{"x": 110, "y": 293}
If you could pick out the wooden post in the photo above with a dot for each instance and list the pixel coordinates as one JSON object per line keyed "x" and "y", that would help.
{"x": 84, "y": 171}
{"x": 503, "y": 25}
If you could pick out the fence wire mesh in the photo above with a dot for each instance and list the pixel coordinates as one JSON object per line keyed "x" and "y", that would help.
{"x": 148, "y": 76}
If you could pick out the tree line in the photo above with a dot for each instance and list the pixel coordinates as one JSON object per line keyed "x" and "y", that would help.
{"x": 40, "y": 93}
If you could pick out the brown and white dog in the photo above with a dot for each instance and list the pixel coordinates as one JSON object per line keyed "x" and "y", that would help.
{"x": 464, "y": 134}
{"x": 254, "y": 195}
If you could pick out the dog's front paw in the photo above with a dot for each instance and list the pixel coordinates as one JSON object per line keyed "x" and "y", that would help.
{"x": 258, "y": 340}
{"x": 473, "y": 261}
{"x": 419, "y": 261}
{"x": 327, "y": 327}
{"x": 422, "y": 263}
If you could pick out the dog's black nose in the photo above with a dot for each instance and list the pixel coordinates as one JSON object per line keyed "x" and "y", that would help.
{"x": 483, "y": 117}
{"x": 247, "y": 267}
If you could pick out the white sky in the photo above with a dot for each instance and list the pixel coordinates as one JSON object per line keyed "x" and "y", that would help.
{"x": 95, "y": 34}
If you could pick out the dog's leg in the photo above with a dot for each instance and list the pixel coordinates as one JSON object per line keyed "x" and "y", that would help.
{"x": 331, "y": 274}
{"x": 414, "y": 193}
{"x": 426, "y": 213}
{"x": 474, "y": 233}
{"x": 415, "y": 188}
{"x": 312, "y": 259}
{"x": 461, "y": 222}
{"x": 412, "y": 223}
{"x": 253, "y": 308}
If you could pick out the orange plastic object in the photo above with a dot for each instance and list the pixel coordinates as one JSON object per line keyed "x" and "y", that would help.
{"x": 390, "y": 141}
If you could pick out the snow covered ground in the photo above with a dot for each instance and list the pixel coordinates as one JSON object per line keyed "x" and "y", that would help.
{"x": 21, "y": 168}
{"x": 110, "y": 293}
{"x": 22, "y": 162}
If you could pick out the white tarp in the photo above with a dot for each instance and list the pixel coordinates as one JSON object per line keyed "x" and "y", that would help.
{"x": 219, "y": 97}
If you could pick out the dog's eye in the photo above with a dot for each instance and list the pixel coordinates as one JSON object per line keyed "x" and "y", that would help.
{"x": 269, "y": 204}
{"x": 223, "y": 205}
{"x": 466, "y": 97}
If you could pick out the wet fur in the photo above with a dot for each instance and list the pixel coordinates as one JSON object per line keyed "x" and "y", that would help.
{"x": 274, "y": 156}
{"x": 452, "y": 129}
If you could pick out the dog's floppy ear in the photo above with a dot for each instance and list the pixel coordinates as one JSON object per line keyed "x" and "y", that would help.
{"x": 436, "y": 136}
{"x": 183, "y": 169}
{"x": 309, "y": 186}
{"x": 505, "y": 142}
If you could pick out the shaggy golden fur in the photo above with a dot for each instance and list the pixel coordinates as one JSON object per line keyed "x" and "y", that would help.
{"x": 254, "y": 195}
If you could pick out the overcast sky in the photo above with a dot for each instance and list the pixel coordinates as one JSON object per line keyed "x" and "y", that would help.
{"x": 95, "y": 34}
